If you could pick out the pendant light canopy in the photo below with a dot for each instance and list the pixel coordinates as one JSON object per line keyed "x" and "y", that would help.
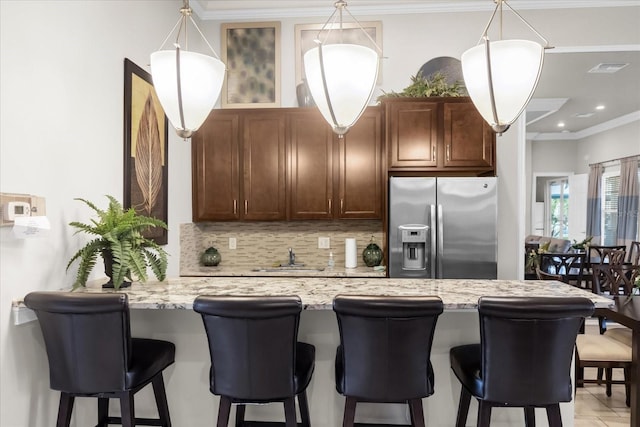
{"x": 341, "y": 77}
{"x": 501, "y": 76}
{"x": 188, "y": 84}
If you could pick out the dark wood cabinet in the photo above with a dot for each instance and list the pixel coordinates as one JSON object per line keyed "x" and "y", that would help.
{"x": 310, "y": 166}
{"x": 412, "y": 134}
{"x": 238, "y": 162}
{"x": 438, "y": 134}
{"x": 215, "y": 154}
{"x": 332, "y": 177}
{"x": 279, "y": 164}
{"x": 359, "y": 168}
{"x": 468, "y": 139}
{"x": 264, "y": 163}
{"x": 287, "y": 164}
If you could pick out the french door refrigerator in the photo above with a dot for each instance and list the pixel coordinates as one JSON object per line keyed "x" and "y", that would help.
{"x": 443, "y": 227}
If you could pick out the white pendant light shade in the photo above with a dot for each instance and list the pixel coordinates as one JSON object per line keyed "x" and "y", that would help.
{"x": 350, "y": 74}
{"x": 501, "y": 87}
{"x": 198, "y": 89}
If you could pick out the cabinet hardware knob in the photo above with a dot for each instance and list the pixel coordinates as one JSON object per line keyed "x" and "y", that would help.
{"x": 448, "y": 153}
{"x": 433, "y": 158}
{"x": 341, "y": 206}
{"x": 329, "y": 200}
{"x": 235, "y": 207}
{"x": 246, "y": 207}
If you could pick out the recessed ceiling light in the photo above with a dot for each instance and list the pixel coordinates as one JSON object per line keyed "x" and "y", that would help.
{"x": 599, "y": 107}
{"x": 560, "y": 124}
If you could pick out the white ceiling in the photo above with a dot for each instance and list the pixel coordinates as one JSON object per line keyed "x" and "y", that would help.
{"x": 566, "y": 79}
{"x": 269, "y": 9}
{"x": 566, "y": 89}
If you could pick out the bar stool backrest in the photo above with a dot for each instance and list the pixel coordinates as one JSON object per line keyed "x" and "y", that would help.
{"x": 252, "y": 342}
{"x": 385, "y": 346}
{"x": 527, "y": 346}
{"x": 87, "y": 338}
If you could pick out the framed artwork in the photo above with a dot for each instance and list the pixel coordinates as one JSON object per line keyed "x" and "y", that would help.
{"x": 305, "y": 35}
{"x": 145, "y": 149}
{"x": 252, "y": 54}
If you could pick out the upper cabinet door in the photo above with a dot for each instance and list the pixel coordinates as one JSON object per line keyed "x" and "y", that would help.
{"x": 468, "y": 139}
{"x": 215, "y": 168}
{"x": 264, "y": 165}
{"x": 311, "y": 166}
{"x": 437, "y": 135}
{"x": 360, "y": 168}
{"x": 412, "y": 134}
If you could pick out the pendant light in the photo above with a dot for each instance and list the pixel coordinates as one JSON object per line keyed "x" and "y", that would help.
{"x": 188, "y": 84}
{"x": 342, "y": 76}
{"x": 501, "y": 76}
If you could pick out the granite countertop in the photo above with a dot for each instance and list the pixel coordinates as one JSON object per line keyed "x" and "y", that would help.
{"x": 306, "y": 271}
{"x": 318, "y": 293}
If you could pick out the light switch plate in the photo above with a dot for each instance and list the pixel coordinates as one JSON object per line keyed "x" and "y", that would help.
{"x": 324, "y": 243}
{"x": 232, "y": 243}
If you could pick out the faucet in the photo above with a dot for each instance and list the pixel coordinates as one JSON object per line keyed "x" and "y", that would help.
{"x": 292, "y": 257}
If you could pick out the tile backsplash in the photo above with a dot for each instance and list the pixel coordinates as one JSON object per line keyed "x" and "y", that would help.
{"x": 262, "y": 244}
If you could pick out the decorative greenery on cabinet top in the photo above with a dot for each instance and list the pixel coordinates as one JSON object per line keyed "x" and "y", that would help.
{"x": 424, "y": 87}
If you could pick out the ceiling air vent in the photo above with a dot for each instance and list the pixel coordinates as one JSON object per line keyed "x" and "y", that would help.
{"x": 608, "y": 67}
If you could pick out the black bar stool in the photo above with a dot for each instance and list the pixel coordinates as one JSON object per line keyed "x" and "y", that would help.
{"x": 524, "y": 356}
{"x": 91, "y": 354}
{"x": 255, "y": 355}
{"x": 385, "y": 349}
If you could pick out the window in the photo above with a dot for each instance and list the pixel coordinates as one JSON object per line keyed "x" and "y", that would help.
{"x": 558, "y": 196}
{"x": 610, "y": 191}
{"x": 610, "y": 187}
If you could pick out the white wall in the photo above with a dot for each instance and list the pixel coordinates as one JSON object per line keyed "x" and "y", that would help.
{"x": 575, "y": 156}
{"x": 61, "y": 71}
{"x": 554, "y": 156}
{"x": 614, "y": 144}
{"x": 62, "y": 137}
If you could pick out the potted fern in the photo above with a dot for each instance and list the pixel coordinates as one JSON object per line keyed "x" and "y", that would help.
{"x": 118, "y": 238}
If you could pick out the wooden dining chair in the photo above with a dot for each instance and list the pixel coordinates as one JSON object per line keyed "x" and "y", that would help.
{"x": 570, "y": 266}
{"x": 599, "y": 254}
{"x": 614, "y": 277}
{"x": 543, "y": 275}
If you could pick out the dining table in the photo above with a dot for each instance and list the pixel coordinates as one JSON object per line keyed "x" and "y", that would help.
{"x": 626, "y": 311}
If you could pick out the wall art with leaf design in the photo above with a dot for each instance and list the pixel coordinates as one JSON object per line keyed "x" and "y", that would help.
{"x": 145, "y": 149}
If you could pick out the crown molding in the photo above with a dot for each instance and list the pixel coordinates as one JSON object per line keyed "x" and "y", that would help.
{"x": 286, "y": 9}
{"x": 593, "y": 130}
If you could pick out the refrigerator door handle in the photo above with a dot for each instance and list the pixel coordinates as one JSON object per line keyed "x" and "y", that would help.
{"x": 440, "y": 241}
{"x": 432, "y": 250}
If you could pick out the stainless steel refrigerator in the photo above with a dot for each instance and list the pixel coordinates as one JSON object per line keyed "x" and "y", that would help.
{"x": 443, "y": 227}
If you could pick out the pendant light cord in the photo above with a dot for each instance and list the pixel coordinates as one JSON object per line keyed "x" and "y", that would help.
{"x": 499, "y": 7}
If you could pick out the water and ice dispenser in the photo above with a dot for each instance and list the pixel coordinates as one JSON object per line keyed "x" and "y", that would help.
{"x": 413, "y": 238}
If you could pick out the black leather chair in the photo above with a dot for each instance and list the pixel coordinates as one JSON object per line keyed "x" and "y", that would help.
{"x": 524, "y": 356}
{"x": 385, "y": 349}
{"x": 255, "y": 355}
{"x": 92, "y": 354}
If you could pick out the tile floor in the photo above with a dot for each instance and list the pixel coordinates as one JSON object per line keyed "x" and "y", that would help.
{"x": 592, "y": 406}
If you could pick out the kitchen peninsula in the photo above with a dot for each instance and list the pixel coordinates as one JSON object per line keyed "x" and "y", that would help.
{"x": 163, "y": 310}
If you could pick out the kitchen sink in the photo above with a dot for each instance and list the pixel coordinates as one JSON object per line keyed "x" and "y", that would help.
{"x": 288, "y": 268}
